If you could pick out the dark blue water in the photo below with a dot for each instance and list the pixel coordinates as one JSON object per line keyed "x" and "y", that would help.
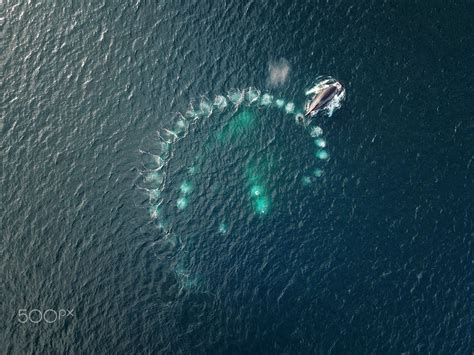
{"x": 375, "y": 257}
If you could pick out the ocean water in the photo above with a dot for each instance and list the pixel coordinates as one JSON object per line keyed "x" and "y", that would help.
{"x": 374, "y": 256}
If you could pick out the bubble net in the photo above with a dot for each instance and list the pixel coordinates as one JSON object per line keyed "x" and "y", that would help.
{"x": 157, "y": 157}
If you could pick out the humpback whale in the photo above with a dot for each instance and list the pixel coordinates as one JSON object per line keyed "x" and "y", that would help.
{"x": 323, "y": 97}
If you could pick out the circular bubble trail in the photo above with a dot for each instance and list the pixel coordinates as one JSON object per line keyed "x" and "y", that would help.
{"x": 229, "y": 156}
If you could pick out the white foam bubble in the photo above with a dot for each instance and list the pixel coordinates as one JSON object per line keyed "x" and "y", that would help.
{"x": 159, "y": 161}
{"x": 236, "y": 96}
{"x": 220, "y": 102}
{"x": 318, "y": 172}
{"x": 266, "y": 99}
{"x": 290, "y": 107}
{"x": 168, "y": 136}
{"x": 280, "y": 103}
{"x": 191, "y": 113}
{"x": 154, "y": 194}
{"x": 322, "y": 154}
{"x": 181, "y": 126}
{"x": 182, "y": 203}
{"x": 321, "y": 143}
{"x": 252, "y": 95}
{"x": 316, "y": 131}
{"x": 154, "y": 177}
{"x": 205, "y": 107}
{"x": 299, "y": 117}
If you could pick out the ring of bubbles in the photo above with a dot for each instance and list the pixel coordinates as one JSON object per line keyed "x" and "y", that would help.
{"x": 237, "y": 105}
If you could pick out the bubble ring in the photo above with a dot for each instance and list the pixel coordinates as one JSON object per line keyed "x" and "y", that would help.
{"x": 156, "y": 161}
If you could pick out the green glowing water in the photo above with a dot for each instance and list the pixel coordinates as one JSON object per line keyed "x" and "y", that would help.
{"x": 244, "y": 121}
{"x": 259, "y": 195}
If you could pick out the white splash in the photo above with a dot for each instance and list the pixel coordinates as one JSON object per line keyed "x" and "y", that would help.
{"x": 278, "y": 72}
